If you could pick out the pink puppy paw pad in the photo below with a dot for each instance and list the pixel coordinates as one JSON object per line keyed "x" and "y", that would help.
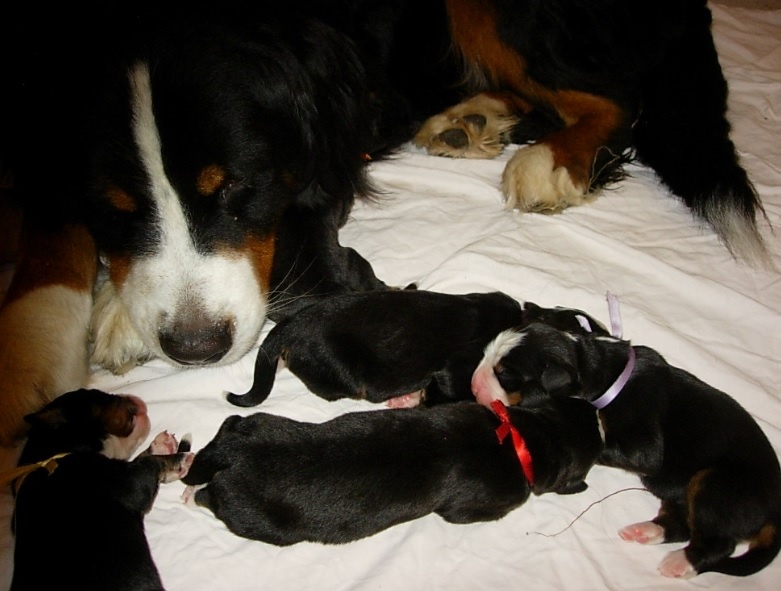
{"x": 646, "y": 532}
{"x": 675, "y": 565}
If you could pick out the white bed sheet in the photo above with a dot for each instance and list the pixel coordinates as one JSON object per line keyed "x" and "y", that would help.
{"x": 441, "y": 223}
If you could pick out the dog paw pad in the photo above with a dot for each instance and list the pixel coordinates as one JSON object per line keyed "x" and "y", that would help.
{"x": 646, "y": 532}
{"x": 187, "y": 495}
{"x": 410, "y": 400}
{"x": 163, "y": 444}
{"x": 677, "y": 566}
{"x": 455, "y": 138}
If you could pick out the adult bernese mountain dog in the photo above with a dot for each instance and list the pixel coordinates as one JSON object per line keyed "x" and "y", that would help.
{"x": 183, "y": 168}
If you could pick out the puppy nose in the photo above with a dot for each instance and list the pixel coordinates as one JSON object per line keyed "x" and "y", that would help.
{"x": 197, "y": 341}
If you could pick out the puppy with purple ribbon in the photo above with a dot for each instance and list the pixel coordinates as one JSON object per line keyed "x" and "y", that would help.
{"x": 693, "y": 446}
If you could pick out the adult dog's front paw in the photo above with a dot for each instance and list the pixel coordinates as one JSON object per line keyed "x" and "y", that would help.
{"x": 115, "y": 343}
{"x": 477, "y": 128}
{"x": 532, "y": 182}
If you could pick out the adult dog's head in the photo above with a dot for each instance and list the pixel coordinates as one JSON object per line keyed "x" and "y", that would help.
{"x": 213, "y": 159}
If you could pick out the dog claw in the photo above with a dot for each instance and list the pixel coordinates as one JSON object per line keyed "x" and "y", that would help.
{"x": 646, "y": 532}
{"x": 677, "y": 566}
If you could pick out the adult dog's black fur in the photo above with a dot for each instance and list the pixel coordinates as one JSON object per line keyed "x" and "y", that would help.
{"x": 280, "y": 481}
{"x": 78, "y": 519}
{"x": 209, "y": 154}
{"x": 402, "y": 347}
{"x": 693, "y": 446}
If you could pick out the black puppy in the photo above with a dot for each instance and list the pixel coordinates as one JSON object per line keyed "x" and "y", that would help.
{"x": 400, "y": 346}
{"x": 394, "y": 346}
{"x": 280, "y": 481}
{"x": 693, "y": 446}
{"x": 81, "y": 483}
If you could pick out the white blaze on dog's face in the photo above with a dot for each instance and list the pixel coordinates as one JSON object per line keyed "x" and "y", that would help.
{"x": 122, "y": 447}
{"x": 485, "y": 385}
{"x": 188, "y": 305}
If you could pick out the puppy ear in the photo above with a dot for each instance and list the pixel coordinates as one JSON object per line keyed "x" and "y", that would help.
{"x": 46, "y": 416}
{"x": 556, "y": 377}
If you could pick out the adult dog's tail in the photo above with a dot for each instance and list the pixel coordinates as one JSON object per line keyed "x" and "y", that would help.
{"x": 683, "y": 134}
{"x": 266, "y": 365}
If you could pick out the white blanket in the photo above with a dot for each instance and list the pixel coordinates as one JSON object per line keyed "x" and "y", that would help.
{"x": 441, "y": 223}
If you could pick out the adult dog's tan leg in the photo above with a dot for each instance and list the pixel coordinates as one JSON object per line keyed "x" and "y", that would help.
{"x": 44, "y": 322}
{"x": 558, "y": 171}
{"x": 565, "y": 163}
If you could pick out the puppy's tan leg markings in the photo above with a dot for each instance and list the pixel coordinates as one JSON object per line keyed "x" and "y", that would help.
{"x": 476, "y": 128}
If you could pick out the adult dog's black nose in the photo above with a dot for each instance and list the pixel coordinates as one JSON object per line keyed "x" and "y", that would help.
{"x": 197, "y": 341}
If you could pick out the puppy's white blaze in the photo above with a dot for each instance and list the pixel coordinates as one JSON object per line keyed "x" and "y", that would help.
{"x": 122, "y": 448}
{"x": 177, "y": 282}
{"x": 485, "y": 386}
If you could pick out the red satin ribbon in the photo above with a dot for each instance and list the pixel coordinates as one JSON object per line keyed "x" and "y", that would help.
{"x": 521, "y": 450}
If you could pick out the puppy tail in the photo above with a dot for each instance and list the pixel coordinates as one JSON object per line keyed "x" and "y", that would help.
{"x": 761, "y": 552}
{"x": 265, "y": 373}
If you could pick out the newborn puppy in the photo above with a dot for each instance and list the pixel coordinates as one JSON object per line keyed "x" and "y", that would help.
{"x": 402, "y": 347}
{"x": 280, "y": 481}
{"x": 399, "y": 346}
{"x": 75, "y": 480}
{"x": 693, "y": 446}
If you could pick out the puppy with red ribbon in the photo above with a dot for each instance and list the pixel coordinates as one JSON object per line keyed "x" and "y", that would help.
{"x": 281, "y": 481}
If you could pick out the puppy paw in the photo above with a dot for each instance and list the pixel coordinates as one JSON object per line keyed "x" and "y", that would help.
{"x": 188, "y": 496}
{"x": 163, "y": 444}
{"x": 646, "y": 532}
{"x": 410, "y": 400}
{"x": 677, "y": 566}
{"x": 532, "y": 183}
{"x": 477, "y": 128}
{"x": 179, "y": 468}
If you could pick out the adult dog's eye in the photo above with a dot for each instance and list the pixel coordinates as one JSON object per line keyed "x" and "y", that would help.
{"x": 230, "y": 191}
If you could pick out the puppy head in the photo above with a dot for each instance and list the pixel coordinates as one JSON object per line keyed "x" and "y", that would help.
{"x": 88, "y": 420}
{"x": 527, "y": 365}
{"x": 570, "y": 320}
